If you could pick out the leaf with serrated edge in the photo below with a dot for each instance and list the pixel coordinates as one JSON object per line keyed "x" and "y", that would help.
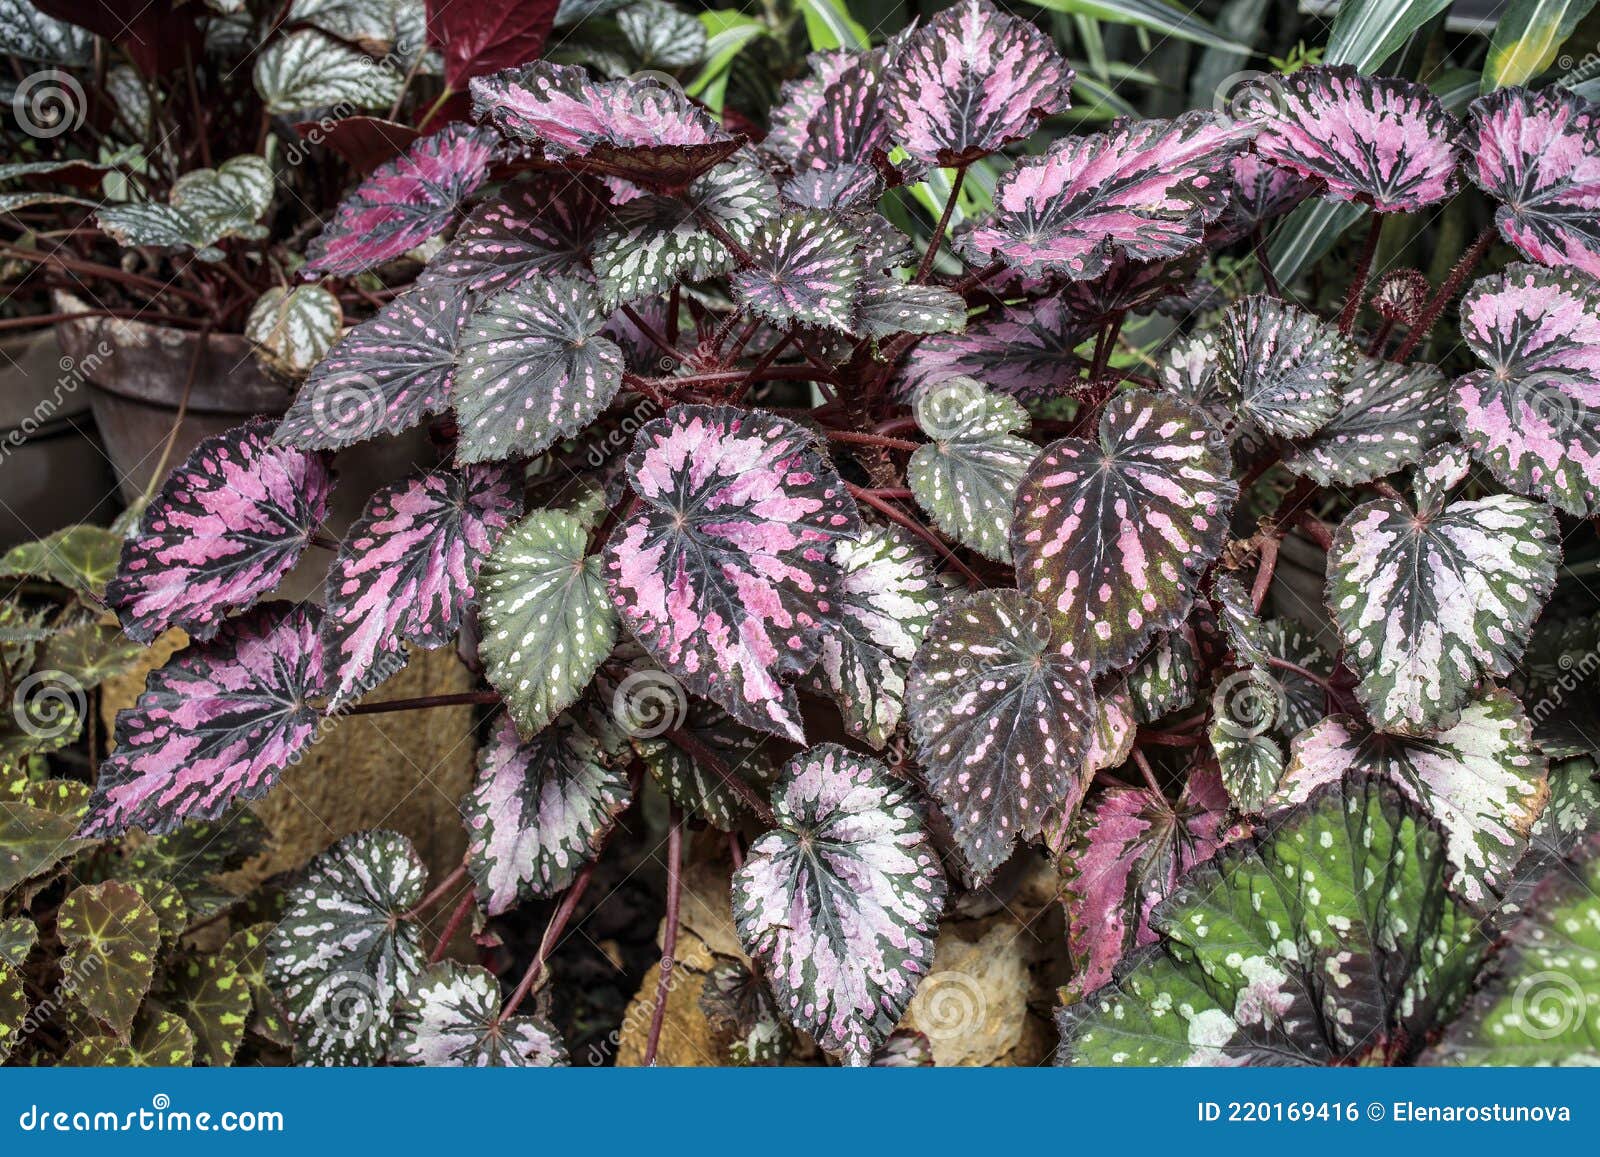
{"x": 111, "y": 939}
{"x": 1165, "y": 680}
{"x": 37, "y": 829}
{"x": 1107, "y": 535}
{"x": 804, "y": 268}
{"x": 1282, "y": 366}
{"x": 452, "y": 1018}
{"x": 1028, "y": 351}
{"x": 1389, "y": 416}
{"x": 840, "y": 903}
{"x": 1482, "y": 779}
{"x": 538, "y": 226}
{"x": 1001, "y": 718}
{"x": 214, "y": 1001}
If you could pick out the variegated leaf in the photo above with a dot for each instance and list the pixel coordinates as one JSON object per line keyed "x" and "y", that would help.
{"x": 13, "y": 1007}
{"x": 1482, "y": 780}
{"x": 1028, "y": 351}
{"x": 806, "y": 271}
{"x": 407, "y": 569}
{"x": 222, "y": 530}
{"x": 1533, "y": 417}
{"x": 1281, "y": 366}
{"x": 1328, "y": 939}
{"x": 738, "y": 1005}
{"x": 1565, "y": 825}
{"x": 1001, "y": 718}
{"x": 1107, "y": 535}
{"x": 111, "y": 939}
{"x": 1245, "y": 707}
{"x": 971, "y": 81}
{"x": 1145, "y": 189}
{"x": 403, "y": 203}
{"x": 217, "y": 724}
{"x": 723, "y": 570}
{"x": 1129, "y": 855}
{"x": 304, "y": 69}
{"x": 648, "y": 707}
{"x": 452, "y": 1018}
{"x": 1432, "y": 602}
{"x": 887, "y": 306}
{"x": 292, "y": 329}
{"x": 384, "y": 376}
{"x": 537, "y": 226}
{"x": 342, "y": 956}
{"x": 533, "y": 369}
{"x": 540, "y": 810}
{"x": 889, "y": 593}
{"x": 1390, "y": 415}
{"x": 1165, "y": 680}
{"x": 1261, "y": 193}
{"x": 213, "y": 1000}
{"x": 1241, "y": 625}
{"x": 1380, "y": 140}
{"x": 37, "y": 828}
{"x": 840, "y": 903}
{"x": 966, "y": 478}
{"x": 1538, "y": 154}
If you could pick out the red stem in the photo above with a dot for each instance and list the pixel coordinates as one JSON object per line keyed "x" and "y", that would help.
{"x": 703, "y": 755}
{"x": 1358, "y": 285}
{"x": 871, "y": 440}
{"x": 669, "y": 940}
{"x": 552, "y": 933}
{"x": 444, "y": 886}
{"x": 453, "y": 925}
{"x": 1430, "y": 312}
{"x": 934, "y": 242}
{"x": 915, "y": 527}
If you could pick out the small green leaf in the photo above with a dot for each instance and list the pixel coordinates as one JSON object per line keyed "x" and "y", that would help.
{"x": 111, "y": 938}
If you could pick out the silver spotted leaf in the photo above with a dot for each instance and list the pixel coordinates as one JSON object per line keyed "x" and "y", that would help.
{"x": 1282, "y": 367}
{"x": 540, "y": 226}
{"x": 1107, "y": 535}
{"x": 1166, "y": 679}
{"x": 647, "y": 704}
{"x": 805, "y": 271}
{"x": 840, "y": 903}
{"x": 452, "y": 1018}
{"x": 1001, "y": 720}
{"x": 1389, "y": 416}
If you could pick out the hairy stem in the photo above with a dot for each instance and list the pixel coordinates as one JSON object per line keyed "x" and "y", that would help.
{"x": 1430, "y": 312}
{"x": 855, "y": 438}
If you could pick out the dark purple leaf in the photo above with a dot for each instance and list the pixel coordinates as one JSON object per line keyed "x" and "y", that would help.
{"x": 806, "y": 270}
{"x": 1128, "y": 287}
{"x": 1261, "y": 192}
{"x": 971, "y": 81}
{"x": 384, "y": 376}
{"x": 850, "y": 125}
{"x": 1107, "y": 535}
{"x": 216, "y": 725}
{"x": 1026, "y": 350}
{"x": 535, "y": 226}
{"x": 222, "y": 530}
{"x": 1390, "y": 416}
{"x": 1146, "y": 189}
{"x": 724, "y": 570}
{"x": 801, "y": 100}
{"x": 406, "y": 570}
{"x": 403, "y": 203}
{"x": 479, "y": 38}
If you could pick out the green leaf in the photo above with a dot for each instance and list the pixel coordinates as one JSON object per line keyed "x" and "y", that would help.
{"x": 160, "y": 1040}
{"x": 829, "y": 25}
{"x": 214, "y": 1001}
{"x": 81, "y": 558}
{"x": 1156, "y": 15}
{"x": 1368, "y": 32}
{"x": 1540, "y": 1006}
{"x": 661, "y": 35}
{"x": 308, "y": 70}
{"x": 18, "y": 935}
{"x": 1330, "y": 938}
{"x": 90, "y": 652}
{"x": 547, "y": 622}
{"x": 1304, "y": 237}
{"x": 1527, "y": 38}
{"x": 293, "y": 329}
{"x": 36, "y": 829}
{"x": 111, "y": 938}
{"x": 730, "y": 33}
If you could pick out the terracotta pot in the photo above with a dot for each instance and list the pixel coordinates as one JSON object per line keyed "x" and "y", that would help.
{"x": 137, "y": 373}
{"x": 53, "y": 472}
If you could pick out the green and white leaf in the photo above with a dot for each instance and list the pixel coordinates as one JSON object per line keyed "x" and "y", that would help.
{"x": 452, "y": 1018}
{"x": 1389, "y": 417}
{"x": 307, "y": 70}
{"x": 662, "y": 35}
{"x": 293, "y": 329}
{"x": 1165, "y": 680}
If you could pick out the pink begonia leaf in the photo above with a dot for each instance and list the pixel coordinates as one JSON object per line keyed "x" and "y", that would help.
{"x": 850, "y": 126}
{"x": 384, "y": 376}
{"x": 216, "y": 725}
{"x": 1133, "y": 847}
{"x": 906, "y": 1048}
{"x": 1380, "y": 140}
{"x": 840, "y": 189}
{"x": 971, "y": 81}
{"x": 637, "y": 129}
{"x": 1001, "y": 721}
{"x": 1483, "y": 780}
{"x": 222, "y": 530}
{"x": 404, "y": 203}
{"x": 407, "y": 569}
{"x": 840, "y": 903}
{"x": 537, "y": 226}
{"x": 1389, "y": 416}
{"x": 724, "y": 571}
{"x": 1107, "y": 535}
{"x": 452, "y": 1018}
{"x": 1261, "y": 192}
{"x": 533, "y": 369}
{"x": 1533, "y": 417}
{"x": 1280, "y": 366}
{"x": 1538, "y": 154}
{"x": 1027, "y": 350}
{"x": 1115, "y": 725}
{"x": 1144, "y": 189}
{"x": 805, "y": 270}
{"x": 539, "y": 811}
{"x": 801, "y": 100}
{"x": 1431, "y": 602}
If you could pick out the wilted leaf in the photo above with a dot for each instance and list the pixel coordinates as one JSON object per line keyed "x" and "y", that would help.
{"x": 406, "y": 571}
{"x": 540, "y": 810}
{"x": 841, "y": 902}
{"x": 723, "y": 570}
{"x": 452, "y": 1018}
{"x": 1281, "y": 366}
{"x": 111, "y": 938}
{"x": 1482, "y": 780}
{"x": 533, "y": 369}
{"x": 222, "y": 530}
{"x": 217, "y": 724}
{"x": 342, "y": 957}
{"x": 1106, "y": 535}
{"x": 1001, "y": 717}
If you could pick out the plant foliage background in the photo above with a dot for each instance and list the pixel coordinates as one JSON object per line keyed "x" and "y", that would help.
{"x": 1097, "y": 488}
